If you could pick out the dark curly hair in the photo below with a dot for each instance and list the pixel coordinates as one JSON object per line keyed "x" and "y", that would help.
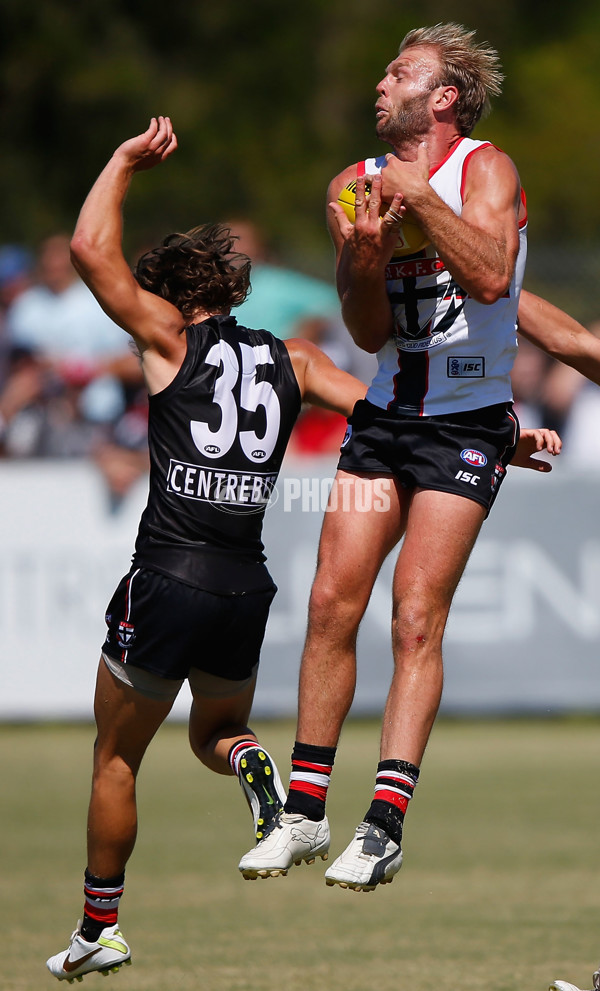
{"x": 197, "y": 270}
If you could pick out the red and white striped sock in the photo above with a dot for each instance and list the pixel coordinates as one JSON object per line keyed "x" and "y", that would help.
{"x": 102, "y": 897}
{"x": 237, "y": 752}
{"x": 394, "y": 786}
{"x": 309, "y": 780}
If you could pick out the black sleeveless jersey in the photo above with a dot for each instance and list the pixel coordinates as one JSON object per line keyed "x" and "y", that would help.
{"x": 217, "y": 435}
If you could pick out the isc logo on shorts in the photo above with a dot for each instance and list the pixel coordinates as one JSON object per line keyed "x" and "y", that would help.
{"x": 473, "y": 457}
{"x": 466, "y": 368}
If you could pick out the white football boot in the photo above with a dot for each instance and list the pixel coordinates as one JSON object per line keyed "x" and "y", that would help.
{"x": 106, "y": 955}
{"x": 290, "y": 839}
{"x": 371, "y": 858}
{"x": 565, "y": 986}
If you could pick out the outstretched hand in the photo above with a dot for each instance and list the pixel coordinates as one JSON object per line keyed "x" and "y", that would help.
{"x": 150, "y": 148}
{"x": 532, "y": 441}
{"x": 372, "y": 237}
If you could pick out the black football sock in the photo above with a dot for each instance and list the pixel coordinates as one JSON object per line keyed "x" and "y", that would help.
{"x": 394, "y": 787}
{"x": 102, "y": 897}
{"x": 309, "y": 780}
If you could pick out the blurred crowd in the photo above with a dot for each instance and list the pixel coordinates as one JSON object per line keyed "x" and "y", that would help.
{"x": 71, "y": 387}
{"x": 70, "y": 382}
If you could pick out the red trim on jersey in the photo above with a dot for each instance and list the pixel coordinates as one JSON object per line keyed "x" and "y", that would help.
{"x": 523, "y": 222}
{"x": 488, "y": 144}
{"x": 360, "y": 167}
{"x": 426, "y": 390}
{"x": 450, "y": 152}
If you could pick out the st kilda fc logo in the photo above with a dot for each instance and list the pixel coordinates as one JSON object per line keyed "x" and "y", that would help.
{"x": 125, "y": 635}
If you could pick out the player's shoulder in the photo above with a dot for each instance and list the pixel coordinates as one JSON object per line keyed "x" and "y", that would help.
{"x": 342, "y": 179}
{"x": 489, "y": 163}
{"x": 300, "y": 350}
{"x": 485, "y": 155}
{"x": 230, "y": 327}
{"x": 302, "y": 354}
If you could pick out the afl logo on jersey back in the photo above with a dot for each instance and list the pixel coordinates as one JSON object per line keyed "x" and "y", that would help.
{"x": 258, "y": 455}
{"x": 472, "y": 457}
{"x": 212, "y": 449}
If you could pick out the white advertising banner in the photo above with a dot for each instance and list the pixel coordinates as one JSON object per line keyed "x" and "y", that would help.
{"x": 523, "y": 635}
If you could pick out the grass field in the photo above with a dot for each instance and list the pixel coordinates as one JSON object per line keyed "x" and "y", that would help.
{"x": 499, "y": 889}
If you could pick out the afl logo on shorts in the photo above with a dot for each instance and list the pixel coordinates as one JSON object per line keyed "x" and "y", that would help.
{"x": 472, "y": 457}
{"x": 125, "y": 635}
{"x": 347, "y": 435}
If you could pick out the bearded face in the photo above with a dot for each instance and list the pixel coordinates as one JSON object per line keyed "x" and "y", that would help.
{"x": 407, "y": 121}
{"x": 403, "y": 109}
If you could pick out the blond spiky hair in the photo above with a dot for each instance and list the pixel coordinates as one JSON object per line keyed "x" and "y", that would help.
{"x": 475, "y": 70}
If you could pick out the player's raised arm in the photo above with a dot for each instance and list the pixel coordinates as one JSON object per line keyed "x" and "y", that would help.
{"x": 559, "y": 335}
{"x": 363, "y": 249}
{"x": 320, "y": 381}
{"x": 96, "y": 246}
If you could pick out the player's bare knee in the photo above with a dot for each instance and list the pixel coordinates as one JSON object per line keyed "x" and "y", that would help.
{"x": 330, "y": 609}
{"x": 416, "y": 629}
{"x": 113, "y": 769}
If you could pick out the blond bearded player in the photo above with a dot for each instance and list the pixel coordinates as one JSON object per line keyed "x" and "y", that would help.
{"x": 437, "y": 423}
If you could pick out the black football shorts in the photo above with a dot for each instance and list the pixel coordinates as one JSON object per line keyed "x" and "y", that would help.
{"x": 463, "y": 453}
{"x": 167, "y": 627}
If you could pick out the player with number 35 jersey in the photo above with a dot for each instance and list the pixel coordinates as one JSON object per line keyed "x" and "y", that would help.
{"x": 217, "y": 436}
{"x": 194, "y": 605}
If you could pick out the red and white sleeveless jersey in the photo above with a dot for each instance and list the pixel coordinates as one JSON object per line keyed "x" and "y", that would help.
{"x": 448, "y": 353}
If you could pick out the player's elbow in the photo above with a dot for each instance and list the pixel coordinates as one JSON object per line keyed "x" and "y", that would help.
{"x": 492, "y": 290}
{"x": 82, "y": 249}
{"x": 86, "y": 252}
{"x": 366, "y": 343}
{"x": 561, "y": 349}
{"x": 368, "y": 334}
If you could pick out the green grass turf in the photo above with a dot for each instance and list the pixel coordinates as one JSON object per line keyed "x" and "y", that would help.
{"x": 499, "y": 889}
